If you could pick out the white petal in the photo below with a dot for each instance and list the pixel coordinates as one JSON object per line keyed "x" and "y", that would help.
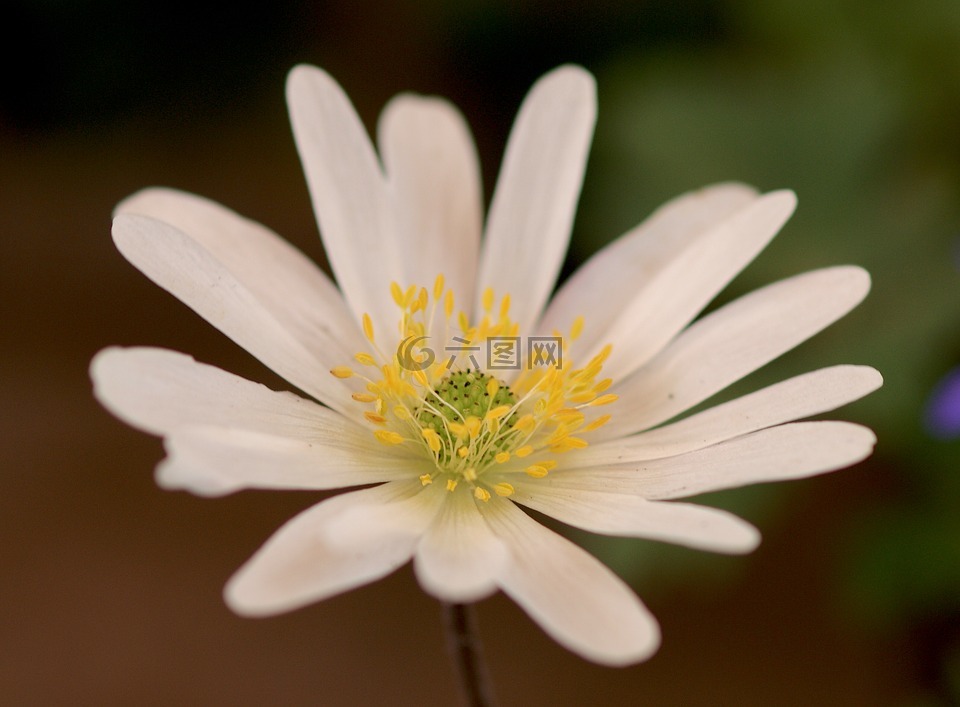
{"x": 183, "y": 267}
{"x": 536, "y": 194}
{"x": 459, "y": 558}
{"x": 793, "y": 399}
{"x": 157, "y": 391}
{"x": 348, "y": 192}
{"x": 669, "y": 300}
{"x": 299, "y": 565}
{"x": 213, "y": 461}
{"x": 602, "y": 286}
{"x": 793, "y": 451}
{"x": 731, "y": 342}
{"x": 434, "y": 180}
{"x": 286, "y": 282}
{"x": 612, "y": 513}
{"x": 578, "y": 601}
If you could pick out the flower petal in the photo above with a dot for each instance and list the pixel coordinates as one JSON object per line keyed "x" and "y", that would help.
{"x": 434, "y": 179}
{"x": 578, "y": 601}
{"x": 535, "y": 199}
{"x": 214, "y": 461}
{"x": 285, "y": 281}
{"x": 602, "y": 286}
{"x": 183, "y": 267}
{"x": 612, "y": 513}
{"x": 157, "y": 391}
{"x": 459, "y": 558}
{"x": 793, "y": 399}
{"x": 669, "y": 300}
{"x": 731, "y": 342}
{"x": 348, "y": 192}
{"x": 300, "y": 564}
{"x": 793, "y": 451}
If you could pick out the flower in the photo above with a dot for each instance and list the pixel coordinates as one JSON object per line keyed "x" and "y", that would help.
{"x": 448, "y": 449}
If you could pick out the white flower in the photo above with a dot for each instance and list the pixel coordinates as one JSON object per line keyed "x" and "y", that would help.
{"x": 586, "y": 444}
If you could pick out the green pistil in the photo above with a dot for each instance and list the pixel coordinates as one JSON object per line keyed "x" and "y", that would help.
{"x": 465, "y": 394}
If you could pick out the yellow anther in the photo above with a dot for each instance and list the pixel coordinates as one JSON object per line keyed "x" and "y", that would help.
{"x": 401, "y": 412}
{"x": 438, "y": 287}
{"x": 603, "y": 400}
{"x": 463, "y": 452}
{"x": 397, "y": 293}
{"x": 481, "y": 494}
{"x": 597, "y": 424}
{"x": 375, "y": 418}
{"x": 525, "y": 424}
{"x": 423, "y": 298}
{"x": 448, "y": 304}
{"x": 503, "y": 489}
{"x": 548, "y": 464}
{"x": 426, "y": 479}
{"x": 493, "y": 386}
{"x": 505, "y": 306}
{"x": 502, "y": 457}
{"x": 577, "y": 329}
{"x": 388, "y": 437}
{"x": 498, "y": 412}
{"x": 603, "y": 385}
{"x": 568, "y": 443}
{"x": 487, "y": 299}
{"x": 342, "y": 372}
{"x": 451, "y": 485}
{"x": 470, "y": 474}
{"x": 433, "y": 439}
{"x": 457, "y": 429}
{"x": 537, "y": 471}
{"x": 524, "y": 451}
{"x": 364, "y": 397}
{"x": 473, "y": 426}
{"x": 409, "y": 294}
{"x": 368, "y": 327}
{"x": 365, "y": 359}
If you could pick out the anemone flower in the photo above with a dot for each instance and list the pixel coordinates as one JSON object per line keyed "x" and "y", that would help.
{"x": 440, "y": 377}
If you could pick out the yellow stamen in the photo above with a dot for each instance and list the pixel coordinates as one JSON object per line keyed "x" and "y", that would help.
{"x": 597, "y": 424}
{"x": 433, "y": 439}
{"x": 487, "y": 299}
{"x": 604, "y": 400}
{"x": 502, "y": 457}
{"x": 364, "y": 397}
{"x": 451, "y": 485}
{"x": 481, "y": 494}
{"x": 365, "y": 359}
{"x": 342, "y": 372}
{"x": 375, "y": 418}
{"x": 368, "y": 327}
{"x": 426, "y": 479}
{"x": 577, "y": 329}
{"x": 537, "y": 471}
{"x": 388, "y": 437}
{"x": 524, "y": 451}
{"x": 503, "y": 489}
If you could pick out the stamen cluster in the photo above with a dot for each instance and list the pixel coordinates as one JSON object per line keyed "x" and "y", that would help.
{"x": 472, "y": 425}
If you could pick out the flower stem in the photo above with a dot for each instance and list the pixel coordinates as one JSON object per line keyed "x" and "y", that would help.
{"x": 466, "y": 651}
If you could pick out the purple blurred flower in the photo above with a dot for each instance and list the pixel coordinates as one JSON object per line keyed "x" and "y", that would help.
{"x": 942, "y": 417}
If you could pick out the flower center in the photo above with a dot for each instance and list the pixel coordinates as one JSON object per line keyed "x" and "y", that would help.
{"x": 474, "y": 428}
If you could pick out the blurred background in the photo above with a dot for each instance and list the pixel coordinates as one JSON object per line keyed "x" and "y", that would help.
{"x": 110, "y": 588}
